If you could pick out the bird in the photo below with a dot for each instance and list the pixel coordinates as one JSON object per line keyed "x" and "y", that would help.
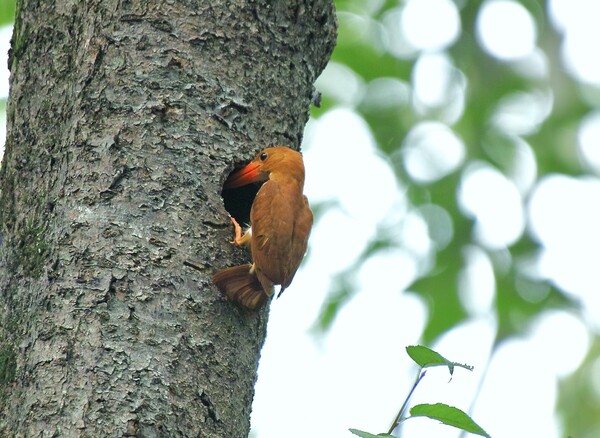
{"x": 280, "y": 224}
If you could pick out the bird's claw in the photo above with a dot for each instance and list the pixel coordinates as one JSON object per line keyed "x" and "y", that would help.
{"x": 238, "y": 239}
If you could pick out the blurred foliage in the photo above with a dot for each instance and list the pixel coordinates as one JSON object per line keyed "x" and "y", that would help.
{"x": 579, "y": 399}
{"x": 7, "y": 15}
{"x": 489, "y": 82}
{"x": 7, "y": 12}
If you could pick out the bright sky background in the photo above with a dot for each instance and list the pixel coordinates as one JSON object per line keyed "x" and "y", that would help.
{"x": 358, "y": 374}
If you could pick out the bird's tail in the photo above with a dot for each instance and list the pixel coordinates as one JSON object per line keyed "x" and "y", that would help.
{"x": 241, "y": 286}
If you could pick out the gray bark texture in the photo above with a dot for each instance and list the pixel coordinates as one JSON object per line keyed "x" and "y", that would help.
{"x": 124, "y": 118}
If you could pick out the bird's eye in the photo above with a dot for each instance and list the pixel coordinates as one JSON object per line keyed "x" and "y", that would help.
{"x": 263, "y": 156}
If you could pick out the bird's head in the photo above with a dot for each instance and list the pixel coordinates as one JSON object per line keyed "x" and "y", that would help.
{"x": 275, "y": 162}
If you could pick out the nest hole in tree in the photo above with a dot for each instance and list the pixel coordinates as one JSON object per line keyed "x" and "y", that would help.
{"x": 238, "y": 201}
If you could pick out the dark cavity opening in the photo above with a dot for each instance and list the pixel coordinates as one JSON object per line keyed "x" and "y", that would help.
{"x": 238, "y": 201}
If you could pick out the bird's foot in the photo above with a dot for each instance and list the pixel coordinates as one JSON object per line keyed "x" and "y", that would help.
{"x": 239, "y": 238}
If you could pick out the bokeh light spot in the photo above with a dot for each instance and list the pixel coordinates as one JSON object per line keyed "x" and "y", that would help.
{"x": 439, "y": 224}
{"x": 563, "y": 341}
{"x": 432, "y": 151}
{"x": 439, "y": 87}
{"x": 477, "y": 284}
{"x": 430, "y": 24}
{"x": 578, "y": 21}
{"x": 505, "y": 29}
{"x": 524, "y": 386}
{"x": 564, "y": 217}
{"x": 522, "y": 113}
{"x": 495, "y": 203}
{"x": 384, "y": 93}
{"x": 341, "y": 83}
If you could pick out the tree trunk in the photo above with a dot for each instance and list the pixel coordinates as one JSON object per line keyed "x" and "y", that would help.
{"x": 124, "y": 119}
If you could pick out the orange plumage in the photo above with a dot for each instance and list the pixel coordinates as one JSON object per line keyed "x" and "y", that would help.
{"x": 280, "y": 220}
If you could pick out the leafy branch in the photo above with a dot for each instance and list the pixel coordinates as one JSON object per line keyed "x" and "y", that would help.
{"x": 449, "y": 415}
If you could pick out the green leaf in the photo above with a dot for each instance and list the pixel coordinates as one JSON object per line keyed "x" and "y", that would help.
{"x": 426, "y": 357}
{"x": 448, "y": 415}
{"x": 363, "y": 434}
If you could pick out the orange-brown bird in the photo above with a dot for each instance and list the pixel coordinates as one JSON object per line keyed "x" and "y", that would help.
{"x": 280, "y": 223}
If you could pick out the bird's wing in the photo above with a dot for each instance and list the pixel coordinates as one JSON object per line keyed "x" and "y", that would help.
{"x": 272, "y": 219}
{"x": 303, "y": 221}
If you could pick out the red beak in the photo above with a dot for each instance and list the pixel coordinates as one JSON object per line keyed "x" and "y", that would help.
{"x": 245, "y": 175}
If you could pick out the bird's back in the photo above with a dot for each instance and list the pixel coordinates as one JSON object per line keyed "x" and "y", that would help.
{"x": 281, "y": 221}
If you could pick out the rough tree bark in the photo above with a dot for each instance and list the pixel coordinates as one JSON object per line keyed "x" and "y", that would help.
{"x": 124, "y": 118}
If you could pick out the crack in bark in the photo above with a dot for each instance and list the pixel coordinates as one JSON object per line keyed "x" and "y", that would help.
{"x": 212, "y": 412}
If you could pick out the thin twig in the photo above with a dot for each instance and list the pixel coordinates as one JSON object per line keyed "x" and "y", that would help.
{"x": 397, "y": 420}
{"x": 484, "y": 375}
